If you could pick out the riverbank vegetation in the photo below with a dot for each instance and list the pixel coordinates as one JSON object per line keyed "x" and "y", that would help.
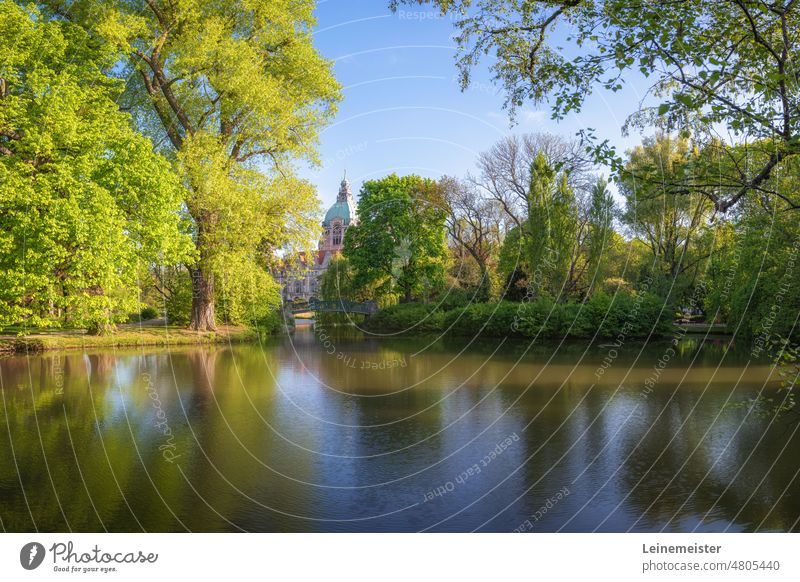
{"x": 603, "y": 316}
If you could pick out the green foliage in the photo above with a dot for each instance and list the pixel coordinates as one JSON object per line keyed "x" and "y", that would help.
{"x": 637, "y": 316}
{"x": 407, "y": 317}
{"x": 601, "y": 231}
{"x": 148, "y": 313}
{"x": 712, "y": 63}
{"x": 337, "y": 281}
{"x": 755, "y": 279}
{"x": 512, "y": 254}
{"x": 177, "y": 288}
{"x": 537, "y": 230}
{"x": 247, "y": 293}
{"x": 85, "y": 203}
{"x": 550, "y": 231}
{"x": 491, "y": 319}
{"x": 627, "y": 315}
{"x": 675, "y": 228}
{"x": 399, "y": 245}
{"x": 455, "y": 297}
{"x": 225, "y": 85}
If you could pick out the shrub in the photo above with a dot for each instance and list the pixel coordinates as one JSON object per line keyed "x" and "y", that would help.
{"x": 179, "y": 303}
{"x": 148, "y": 313}
{"x": 411, "y": 317}
{"x": 623, "y": 314}
{"x": 269, "y": 322}
{"x": 454, "y": 298}
{"x": 494, "y": 319}
{"x": 626, "y": 314}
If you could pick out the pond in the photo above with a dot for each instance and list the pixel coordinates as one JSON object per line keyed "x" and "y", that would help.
{"x": 329, "y": 430}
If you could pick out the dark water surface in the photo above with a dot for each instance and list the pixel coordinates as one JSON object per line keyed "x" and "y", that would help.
{"x": 334, "y": 432}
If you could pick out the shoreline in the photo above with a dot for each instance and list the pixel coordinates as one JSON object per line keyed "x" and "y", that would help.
{"x": 38, "y": 342}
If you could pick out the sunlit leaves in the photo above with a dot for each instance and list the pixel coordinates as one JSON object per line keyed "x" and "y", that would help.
{"x": 85, "y": 203}
{"x": 399, "y": 247}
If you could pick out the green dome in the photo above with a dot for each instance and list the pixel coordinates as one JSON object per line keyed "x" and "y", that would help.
{"x": 344, "y": 208}
{"x": 341, "y": 210}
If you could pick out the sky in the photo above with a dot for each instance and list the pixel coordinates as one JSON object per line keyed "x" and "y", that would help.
{"x": 403, "y": 110}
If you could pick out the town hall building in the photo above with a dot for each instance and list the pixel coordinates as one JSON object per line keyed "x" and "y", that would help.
{"x": 300, "y": 280}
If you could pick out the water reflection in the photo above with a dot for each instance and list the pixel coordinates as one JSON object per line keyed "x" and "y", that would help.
{"x": 354, "y": 434}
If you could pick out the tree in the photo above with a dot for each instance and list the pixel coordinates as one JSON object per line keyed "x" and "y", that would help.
{"x": 511, "y": 266}
{"x": 224, "y": 86}
{"x": 601, "y": 231}
{"x": 86, "y": 205}
{"x": 712, "y": 63}
{"x": 553, "y": 260}
{"x": 505, "y": 169}
{"x": 754, "y": 274}
{"x": 399, "y": 247}
{"x": 337, "y": 281}
{"x": 475, "y": 226}
{"x": 676, "y": 229}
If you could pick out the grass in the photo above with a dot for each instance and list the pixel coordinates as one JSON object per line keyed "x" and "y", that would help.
{"x": 124, "y": 335}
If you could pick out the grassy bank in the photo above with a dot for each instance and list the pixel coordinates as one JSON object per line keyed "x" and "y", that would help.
{"x": 123, "y": 336}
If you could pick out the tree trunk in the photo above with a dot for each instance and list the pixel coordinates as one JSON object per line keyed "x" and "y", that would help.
{"x": 483, "y": 293}
{"x": 100, "y": 328}
{"x": 202, "y": 301}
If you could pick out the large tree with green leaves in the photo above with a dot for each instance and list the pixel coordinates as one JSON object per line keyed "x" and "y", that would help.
{"x": 710, "y": 63}
{"x": 676, "y": 229}
{"x": 550, "y": 234}
{"x": 86, "y": 205}
{"x": 399, "y": 247}
{"x": 237, "y": 91}
{"x": 754, "y": 272}
{"x": 600, "y": 237}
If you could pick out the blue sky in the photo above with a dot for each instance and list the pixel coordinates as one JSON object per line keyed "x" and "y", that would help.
{"x": 403, "y": 110}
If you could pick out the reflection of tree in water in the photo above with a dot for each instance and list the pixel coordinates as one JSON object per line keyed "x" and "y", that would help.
{"x": 237, "y": 435}
{"x": 101, "y": 367}
{"x": 202, "y": 364}
{"x": 679, "y": 478}
{"x": 43, "y": 482}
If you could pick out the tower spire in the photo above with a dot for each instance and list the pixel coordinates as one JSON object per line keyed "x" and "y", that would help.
{"x": 344, "y": 189}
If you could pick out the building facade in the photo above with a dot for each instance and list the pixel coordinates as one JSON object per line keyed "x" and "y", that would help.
{"x": 300, "y": 278}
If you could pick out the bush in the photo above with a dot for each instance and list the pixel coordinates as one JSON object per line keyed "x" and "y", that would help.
{"x": 149, "y": 313}
{"x": 179, "y": 304}
{"x": 454, "y": 298}
{"x": 411, "y": 317}
{"x": 495, "y": 319}
{"x": 624, "y": 314}
{"x": 270, "y": 322}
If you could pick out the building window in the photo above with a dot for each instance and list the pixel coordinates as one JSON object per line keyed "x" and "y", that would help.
{"x": 337, "y": 235}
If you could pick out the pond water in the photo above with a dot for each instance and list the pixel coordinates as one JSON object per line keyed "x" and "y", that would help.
{"x": 329, "y": 430}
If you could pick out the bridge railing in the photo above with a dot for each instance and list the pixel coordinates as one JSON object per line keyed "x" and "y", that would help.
{"x": 343, "y": 306}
